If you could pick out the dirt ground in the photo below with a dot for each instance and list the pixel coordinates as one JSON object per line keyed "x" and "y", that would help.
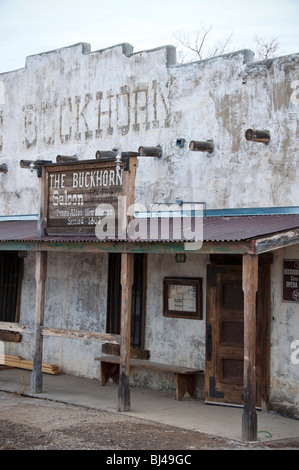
{"x": 35, "y": 424}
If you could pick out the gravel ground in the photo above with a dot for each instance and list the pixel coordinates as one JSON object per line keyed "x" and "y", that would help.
{"x": 35, "y": 424}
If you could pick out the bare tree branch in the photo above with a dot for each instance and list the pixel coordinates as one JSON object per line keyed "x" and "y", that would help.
{"x": 221, "y": 47}
{"x": 192, "y": 46}
{"x": 193, "y": 42}
{"x": 266, "y": 48}
{"x": 202, "y": 41}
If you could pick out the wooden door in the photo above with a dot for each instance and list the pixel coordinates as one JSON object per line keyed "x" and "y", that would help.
{"x": 225, "y": 336}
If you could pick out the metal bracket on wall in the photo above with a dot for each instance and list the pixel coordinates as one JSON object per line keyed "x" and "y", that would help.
{"x": 212, "y": 389}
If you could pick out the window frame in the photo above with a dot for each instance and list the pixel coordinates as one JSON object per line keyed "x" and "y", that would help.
{"x": 114, "y": 291}
{"x": 195, "y": 283}
{"x": 10, "y": 289}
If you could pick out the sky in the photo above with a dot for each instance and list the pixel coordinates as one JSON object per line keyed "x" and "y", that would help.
{"x": 29, "y": 27}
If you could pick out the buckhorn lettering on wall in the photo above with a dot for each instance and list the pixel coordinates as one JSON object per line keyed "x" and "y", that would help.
{"x": 94, "y": 116}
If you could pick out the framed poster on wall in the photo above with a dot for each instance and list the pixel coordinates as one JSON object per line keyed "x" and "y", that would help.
{"x": 182, "y": 297}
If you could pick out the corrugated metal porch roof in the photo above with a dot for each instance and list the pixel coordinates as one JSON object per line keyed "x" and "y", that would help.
{"x": 215, "y": 229}
{"x": 247, "y": 227}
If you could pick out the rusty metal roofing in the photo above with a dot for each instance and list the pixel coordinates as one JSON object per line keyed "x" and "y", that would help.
{"x": 247, "y": 227}
{"x": 18, "y": 230}
{"x": 215, "y": 229}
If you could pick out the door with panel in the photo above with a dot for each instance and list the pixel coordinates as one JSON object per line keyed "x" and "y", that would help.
{"x": 225, "y": 336}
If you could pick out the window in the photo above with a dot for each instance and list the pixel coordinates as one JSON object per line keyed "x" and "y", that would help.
{"x": 11, "y": 268}
{"x": 138, "y": 298}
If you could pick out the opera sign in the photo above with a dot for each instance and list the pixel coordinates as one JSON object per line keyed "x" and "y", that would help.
{"x": 291, "y": 280}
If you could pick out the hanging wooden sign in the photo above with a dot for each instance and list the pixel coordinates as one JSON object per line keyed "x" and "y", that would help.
{"x": 291, "y": 280}
{"x": 79, "y": 196}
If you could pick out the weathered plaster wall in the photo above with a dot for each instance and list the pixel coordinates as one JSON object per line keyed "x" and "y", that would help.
{"x": 284, "y": 370}
{"x": 162, "y": 333}
{"x": 73, "y": 101}
{"x": 81, "y": 305}
{"x": 76, "y": 299}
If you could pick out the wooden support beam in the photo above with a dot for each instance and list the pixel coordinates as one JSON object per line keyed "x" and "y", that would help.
{"x": 150, "y": 151}
{"x": 250, "y": 286}
{"x": 106, "y": 154}
{"x": 41, "y": 215}
{"x": 277, "y": 241}
{"x": 66, "y": 158}
{"x": 15, "y": 327}
{"x": 83, "y": 335}
{"x": 40, "y": 277}
{"x": 10, "y": 336}
{"x": 26, "y": 163}
{"x": 257, "y": 136}
{"x": 198, "y": 146}
{"x": 127, "y": 269}
{"x": 107, "y": 338}
{"x": 124, "y": 247}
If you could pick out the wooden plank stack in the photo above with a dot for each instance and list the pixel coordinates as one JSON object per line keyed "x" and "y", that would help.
{"x": 20, "y": 363}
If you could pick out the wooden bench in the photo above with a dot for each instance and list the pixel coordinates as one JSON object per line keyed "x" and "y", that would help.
{"x": 185, "y": 377}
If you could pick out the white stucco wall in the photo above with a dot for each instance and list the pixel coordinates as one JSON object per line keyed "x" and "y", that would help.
{"x": 73, "y": 101}
{"x": 284, "y": 361}
{"x": 162, "y": 332}
{"x": 76, "y": 299}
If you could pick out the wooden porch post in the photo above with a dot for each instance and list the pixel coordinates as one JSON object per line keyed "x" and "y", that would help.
{"x": 127, "y": 269}
{"x": 250, "y": 286}
{"x": 40, "y": 277}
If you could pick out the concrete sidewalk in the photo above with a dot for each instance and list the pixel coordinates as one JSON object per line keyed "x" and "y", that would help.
{"x": 151, "y": 405}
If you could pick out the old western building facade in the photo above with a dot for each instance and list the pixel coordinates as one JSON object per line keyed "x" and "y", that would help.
{"x": 150, "y": 223}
